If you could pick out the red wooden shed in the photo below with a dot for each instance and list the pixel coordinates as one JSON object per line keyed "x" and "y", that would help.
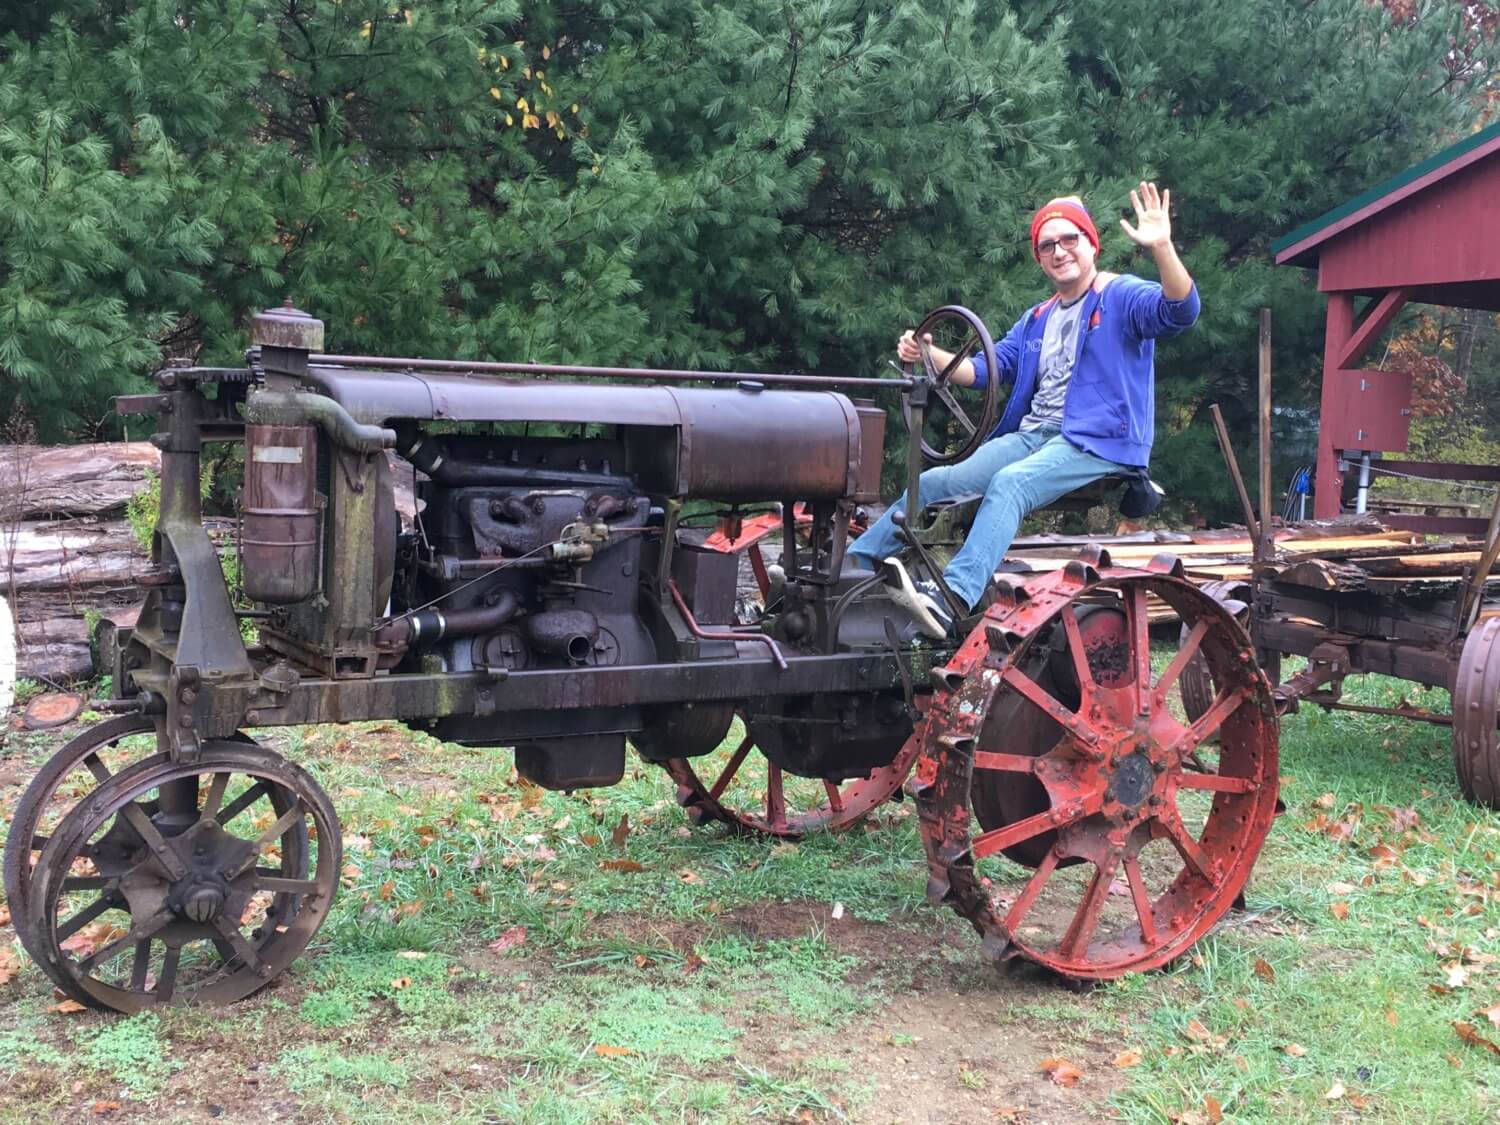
{"x": 1432, "y": 235}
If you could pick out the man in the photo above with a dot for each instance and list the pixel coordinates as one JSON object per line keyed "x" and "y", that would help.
{"x": 1082, "y": 406}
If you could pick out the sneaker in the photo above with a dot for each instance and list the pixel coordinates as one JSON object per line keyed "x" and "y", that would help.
{"x": 921, "y": 599}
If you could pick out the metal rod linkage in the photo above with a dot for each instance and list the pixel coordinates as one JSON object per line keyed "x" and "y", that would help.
{"x": 477, "y": 367}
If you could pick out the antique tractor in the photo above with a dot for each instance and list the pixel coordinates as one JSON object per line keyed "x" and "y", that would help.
{"x": 552, "y": 595}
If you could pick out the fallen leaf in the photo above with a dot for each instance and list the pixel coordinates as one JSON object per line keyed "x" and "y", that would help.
{"x": 1213, "y": 1112}
{"x": 1458, "y": 976}
{"x": 605, "y": 1051}
{"x": 1324, "y": 802}
{"x": 1402, "y": 819}
{"x": 1335, "y": 1092}
{"x": 1264, "y": 971}
{"x": 589, "y": 840}
{"x": 1061, "y": 1071}
{"x": 642, "y": 961}
{"x": 413, "y": 955}
{"x": 66, "y": 1007}
{"x": 512, "y": 938}
{"x": 1341, "y": 888}
{"x": 693, "y": 963}
{"x": 1296, "y": 1050}
{"x": 1470, "y": 1035}
{"x": 628, "y": 865}
{"x": 104, "y": 1109}
{"x": 620, "y": 832}
{"x": 1340, "y": 910}
{"x": 387, "y": 890}
{"x": 1391, "y": 1017}
{"x": 4, "y": 915}
{"x": 1491, "y": 1013}
{"x": 401, "y": 982}
{"x": 688, "y": 876}
{"x": 1127, "y": 1059}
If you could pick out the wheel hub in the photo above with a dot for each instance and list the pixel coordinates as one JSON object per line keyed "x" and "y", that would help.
{"x": 1133, "y": 780}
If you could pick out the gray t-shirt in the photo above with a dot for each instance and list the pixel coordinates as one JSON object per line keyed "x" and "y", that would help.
{"x": 1055, "y": 367}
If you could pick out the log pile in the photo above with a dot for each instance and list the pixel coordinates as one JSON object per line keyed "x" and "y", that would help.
{"x": 68, "y": 557}
{"x": 66, "y": 550}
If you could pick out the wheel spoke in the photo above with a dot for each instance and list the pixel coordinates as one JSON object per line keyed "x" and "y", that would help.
{"x": 215, "y": 796}
{"x": 1141, "y": 899}
{"x": 271, "y": 881}
{"x": 67, "y": 929}
{"x": 735, "y": 761}
{"x": 1075, "y": 942}
{"x": 955, "y": 411}
{"x": 1008, "y": 835}
{"x": 1185, "y": 654}
{"x": 86, "y": 883}
{"x": 168, "y": 979}
{"x": 138, "y": 820}
{"x": 97, "y": 767}
{"x": 238, "y": 941}
{"x": 835, "y": 799}
{"x": 1081, "y": 667}
{"x": 1186, "y": 847}
{"x": 1140, "y": 646}
{"x": 1032, "y": 691}
{"x": 1215, "y": 782}
{"x": 140, "y": 966}
{"x": 1030, "y": 892}
{"x": 958, "y": 357}
{"x": 137, "y": 934}
{"x": 243, "y": 801}
{"x": 775, "y": 795}
{"x": 282, "y": 826}
{"x": 1208, "y": 724}
{"x": 1012, "y": 763}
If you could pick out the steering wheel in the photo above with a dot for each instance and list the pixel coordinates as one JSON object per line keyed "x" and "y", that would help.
{"x": 958, "y": 418}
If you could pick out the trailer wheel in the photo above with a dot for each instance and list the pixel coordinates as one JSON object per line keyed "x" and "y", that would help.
{"x": 1476, "y": 696}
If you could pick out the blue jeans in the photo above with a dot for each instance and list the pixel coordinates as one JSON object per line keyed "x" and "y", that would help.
{"x": 1018, "y": 473}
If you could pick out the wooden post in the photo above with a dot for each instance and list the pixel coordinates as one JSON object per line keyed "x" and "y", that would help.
{"x": 1222, "y": 432}
{"x": 1267, "y": 519}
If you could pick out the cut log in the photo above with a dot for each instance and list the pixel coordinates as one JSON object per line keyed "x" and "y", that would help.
{"x": 73, "y": 480}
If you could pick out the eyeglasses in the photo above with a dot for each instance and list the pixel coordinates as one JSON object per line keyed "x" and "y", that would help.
{"x": 1067, "y": 242}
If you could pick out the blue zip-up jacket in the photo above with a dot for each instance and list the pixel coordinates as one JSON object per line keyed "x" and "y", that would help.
{"x": 1110, "y": 409}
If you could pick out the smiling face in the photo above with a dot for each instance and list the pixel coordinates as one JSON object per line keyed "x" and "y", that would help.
{"x": 1066, "y": 269}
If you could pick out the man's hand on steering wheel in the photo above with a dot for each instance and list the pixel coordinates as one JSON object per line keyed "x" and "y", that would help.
{"x": 909, "y": 350}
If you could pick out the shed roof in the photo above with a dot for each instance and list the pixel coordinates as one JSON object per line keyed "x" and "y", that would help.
{"x": 1302, "y": 247}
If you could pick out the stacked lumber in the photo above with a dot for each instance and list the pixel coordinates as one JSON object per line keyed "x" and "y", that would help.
{"x": 1227, "y": 554}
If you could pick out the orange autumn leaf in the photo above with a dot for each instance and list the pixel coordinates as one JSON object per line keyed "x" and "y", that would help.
{"x": 1340, "y": 910}
{"x": 1061, "y": 1071}
{"x": 1213, "y": 1112}
{"x": 66, "y": 1007}
{"x": 1127, "y": 1059}
{"x": 1470, "y": 1035}
{"x": 1264, "y": 971}
{"x": 605, "y": 1051}
{"x": 626, "y": 865}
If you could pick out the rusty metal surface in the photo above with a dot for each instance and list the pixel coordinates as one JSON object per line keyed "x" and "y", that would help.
{"x": 732, "y": 444}
{"x": 286, "y": 327}
{"x": 195, "y": 877}
{"x": 279, "y": 515}
{"x": 1113, "y": 780}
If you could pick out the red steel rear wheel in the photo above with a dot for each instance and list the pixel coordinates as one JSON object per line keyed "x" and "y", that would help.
{"x": 749, "y": 792}
{"x": 1136, "y": 837}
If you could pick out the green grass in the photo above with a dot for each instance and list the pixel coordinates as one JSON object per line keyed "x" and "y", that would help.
{"x": 722, "y": 989}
